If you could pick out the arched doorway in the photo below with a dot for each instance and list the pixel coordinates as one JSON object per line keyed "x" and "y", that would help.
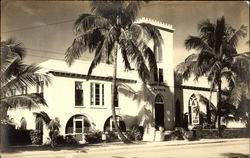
{"x": 178, "y": 114}
{"x": 78, "y": 125}
{"x": 23, "y": 123}
{"x": 109, "y": 124}
{"x": 159, "y": 111}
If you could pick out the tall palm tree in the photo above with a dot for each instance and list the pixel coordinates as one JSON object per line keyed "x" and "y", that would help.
{"x": 15, "y": 75}
{"x": 111, "y": 28}
{"x": 216, "y": 46}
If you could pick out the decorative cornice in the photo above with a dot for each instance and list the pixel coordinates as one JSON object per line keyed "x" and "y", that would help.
{"x": 74, "y": 75}
{"x": 194, "y": 88}
{"x": 159, "y": 24}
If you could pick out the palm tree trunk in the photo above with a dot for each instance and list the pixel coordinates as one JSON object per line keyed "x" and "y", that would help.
{"x": 123, "y": 138}
{"x": 219, "y": 108}
{"x": 208, "y": 109}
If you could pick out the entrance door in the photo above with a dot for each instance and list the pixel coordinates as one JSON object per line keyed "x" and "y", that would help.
{"x": 178, "y": 115}
{"x": 159, "y": 111}
{"x": 78, "y": 128}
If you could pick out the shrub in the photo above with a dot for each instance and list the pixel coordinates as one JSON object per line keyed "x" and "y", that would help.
{"x": 135, "y": 134}
{"x": 36, "y": 137}
{"x": 66, "y": 140}
{"x": 94, "y": 137}
{"x": 176, "y": 135}
{"x": 112, "y": 136}
{"x": 70, "y": 139}
{"x": 189, "y": 135}
{"x": 12, "y": 136}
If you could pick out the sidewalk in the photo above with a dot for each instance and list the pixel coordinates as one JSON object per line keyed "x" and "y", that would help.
{"x": 120, "y": 145}
{"x": 27, "y": 150}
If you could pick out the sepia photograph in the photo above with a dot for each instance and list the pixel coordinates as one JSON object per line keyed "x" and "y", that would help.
{"x": 124, "y": 79}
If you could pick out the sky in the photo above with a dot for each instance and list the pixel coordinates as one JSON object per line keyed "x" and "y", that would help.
{"x": 45, "y": 27}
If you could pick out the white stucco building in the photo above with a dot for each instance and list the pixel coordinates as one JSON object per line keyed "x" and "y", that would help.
{"x": 83, "y": 105}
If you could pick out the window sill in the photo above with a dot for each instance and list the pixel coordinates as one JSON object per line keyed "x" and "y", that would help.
{"x": 79, "y": 106}
{"x": 96, "y": 107}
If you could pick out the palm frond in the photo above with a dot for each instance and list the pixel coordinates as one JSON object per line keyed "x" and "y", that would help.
{"x": 241, "y": 66}
{"x": 29, "y": 76}
{"x": 230, "y": 76}
{"x": 152, "y": 33}
{"x": 136, "y": 56}
{"x": 205, "y": 26}
{"x": 131, "y": 10}
{"x": 194, "y": 42}
{"x": 205, "y": 56}
{"x": 12, "y": 46}
{"x": 236, "y": 96}
{"x": 103, "y": 50}
{"x": 88, "y": 22}
{"x": 125, "y": 59}
{"x": 125, "y": 11}
{"x": 32, "y": 100}
{"x": 207, "y": 102}
{"x": 87, "y": 41}
{"x": 241, "y": 33}
{"x": 9, "y": 64}
{"x": 96, "y": 60}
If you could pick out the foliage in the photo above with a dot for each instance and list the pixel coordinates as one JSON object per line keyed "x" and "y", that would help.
{"x": 98, "y": 34}
{"x": 16, "y": 75}
{"x": 135, "y": 134}
{"x": 36, "y": 137}
{"x": 69, "y": 139}
{"x": 112, "y": 136}
{"x": 66, "y": 140}
{"x": 110, "y": 28}
{"x": 216, "y": 57}
{"x": 94, "y": 137}
{"x": 52, "y": 124}
{"x": 12, "y": 136}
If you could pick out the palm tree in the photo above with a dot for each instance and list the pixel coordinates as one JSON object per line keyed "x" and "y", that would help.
{"x": 112, "y": 28}
{"x": 52, "y": 124}
{"x": 15, "y": 75}
{"x": 216, "y": 46}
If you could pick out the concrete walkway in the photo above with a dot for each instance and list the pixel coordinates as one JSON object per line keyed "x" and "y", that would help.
{"x": 29, "y": 150}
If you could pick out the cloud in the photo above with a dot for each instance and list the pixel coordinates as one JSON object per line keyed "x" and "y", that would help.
{"x": 24, "y": 8}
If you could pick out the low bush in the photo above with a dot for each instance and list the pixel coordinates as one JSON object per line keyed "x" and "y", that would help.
{"x": 12, "y": 136}
{"x": 66, "y": 140}
{"x": 94, "y": 137}
{"x": 176, "y": 135}
{"x": 36, "y": 137}
{"x": 135, "y": 134}
{"x": 70, "y": 139}
{"x": 111, "y": 136}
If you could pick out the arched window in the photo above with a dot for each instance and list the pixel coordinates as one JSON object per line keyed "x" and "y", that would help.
{"x": 109, "y": 124}
{"x": 159, "y": 99}
{"x": 78, "y": 124}
{"x": 23, "y": 123}
{"x": 193, "y": 110}
{"x": 39, "y": 124}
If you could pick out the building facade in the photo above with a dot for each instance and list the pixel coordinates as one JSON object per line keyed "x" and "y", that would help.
{"x": 84, "y": 105}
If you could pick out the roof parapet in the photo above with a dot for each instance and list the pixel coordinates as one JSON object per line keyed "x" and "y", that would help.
{"x": 155, "y": 22}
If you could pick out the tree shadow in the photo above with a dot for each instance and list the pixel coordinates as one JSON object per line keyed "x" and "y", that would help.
{"x": 19, "y": 149}
{"x": 235, "y": 155}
